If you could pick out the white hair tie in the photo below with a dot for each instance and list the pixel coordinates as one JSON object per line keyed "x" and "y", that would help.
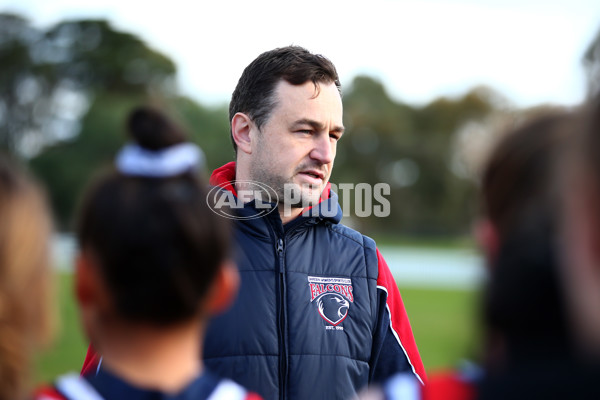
{"x": 171, "y": 161}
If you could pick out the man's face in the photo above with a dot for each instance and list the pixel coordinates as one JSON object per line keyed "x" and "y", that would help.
{"x": 296, "y": 146}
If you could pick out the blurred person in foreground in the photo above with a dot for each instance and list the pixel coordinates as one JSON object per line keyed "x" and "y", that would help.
{"x": 581, "y": 223}
{"x": 528, "y": 348}
{"x": 319, "y": 314}
{"x": 25, "y": 279}
{"x": 152, "y": 268}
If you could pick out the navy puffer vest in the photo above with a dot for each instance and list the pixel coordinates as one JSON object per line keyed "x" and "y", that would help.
{"x": 303, "y": 323}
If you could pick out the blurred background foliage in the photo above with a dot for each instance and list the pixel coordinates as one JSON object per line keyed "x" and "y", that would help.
{"x": 66, "y": 90}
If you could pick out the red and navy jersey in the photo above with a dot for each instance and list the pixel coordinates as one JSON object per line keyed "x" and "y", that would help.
{"x": 318, "y": 314}
{"x": 105, "y": 386}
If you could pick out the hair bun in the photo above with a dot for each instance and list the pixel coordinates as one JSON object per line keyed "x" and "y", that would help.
{"x": 152, "y": 130}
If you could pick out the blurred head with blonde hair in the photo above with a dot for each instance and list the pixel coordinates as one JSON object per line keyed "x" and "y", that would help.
{"x": 25, "y": 317}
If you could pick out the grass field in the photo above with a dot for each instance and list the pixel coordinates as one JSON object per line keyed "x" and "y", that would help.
{"x": 443, "y": 321}
{"x": 69, "y": 346}
{"x": 445, "y": 324}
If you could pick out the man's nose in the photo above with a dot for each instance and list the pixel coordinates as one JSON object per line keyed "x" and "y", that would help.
{"x": 323, "y": 150}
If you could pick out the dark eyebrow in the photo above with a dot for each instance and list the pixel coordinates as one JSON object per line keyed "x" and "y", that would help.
{"x": 315, "y": 125}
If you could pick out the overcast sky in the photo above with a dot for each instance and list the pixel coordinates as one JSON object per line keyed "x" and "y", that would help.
{"x": 529, "y": 50}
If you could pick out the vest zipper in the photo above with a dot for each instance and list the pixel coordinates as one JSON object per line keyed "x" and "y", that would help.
{"x": 282, "y": 322}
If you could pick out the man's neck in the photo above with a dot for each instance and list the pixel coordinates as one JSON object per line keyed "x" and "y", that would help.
{"x": 166, "y": 359}
{"x": 289, "y": 214}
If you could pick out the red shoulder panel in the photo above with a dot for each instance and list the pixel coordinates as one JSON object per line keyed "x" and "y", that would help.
{"x": 399, "y": 319}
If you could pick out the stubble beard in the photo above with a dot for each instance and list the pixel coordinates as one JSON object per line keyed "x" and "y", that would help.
{"x": 289, "y": 193}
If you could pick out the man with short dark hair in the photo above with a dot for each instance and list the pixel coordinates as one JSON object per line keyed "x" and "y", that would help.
{"x": 319, "y": 314}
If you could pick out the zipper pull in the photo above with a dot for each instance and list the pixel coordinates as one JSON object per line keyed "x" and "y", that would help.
{"x": 280, "y": 246}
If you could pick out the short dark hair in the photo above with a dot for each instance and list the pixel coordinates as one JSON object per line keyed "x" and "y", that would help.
{"x": 254, "y": 93}
{"x": 157, "y": 243}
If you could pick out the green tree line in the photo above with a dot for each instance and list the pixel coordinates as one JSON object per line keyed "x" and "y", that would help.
{"x": 65, "y": 92}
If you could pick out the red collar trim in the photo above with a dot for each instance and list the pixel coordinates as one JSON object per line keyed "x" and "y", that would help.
{"x": 223, "y": 177}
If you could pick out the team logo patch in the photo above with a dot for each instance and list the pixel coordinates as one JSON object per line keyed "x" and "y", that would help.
{"x": 332, "y": 297}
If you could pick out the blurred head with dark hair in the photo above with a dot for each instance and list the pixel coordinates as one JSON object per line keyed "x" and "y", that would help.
{"x": 581, "y": 230}
{"x": 524, "y": 309}
{"x": 25, "y": 281}
{"x": 153, "y": 258}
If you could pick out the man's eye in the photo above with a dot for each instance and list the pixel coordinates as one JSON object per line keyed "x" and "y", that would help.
{"x": 334, "y": 136}
{"x": 305, "y": 131}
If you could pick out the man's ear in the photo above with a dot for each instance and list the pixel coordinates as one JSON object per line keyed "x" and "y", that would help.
{"x": 241, "y": 126}
{"x": 223, "y": 289}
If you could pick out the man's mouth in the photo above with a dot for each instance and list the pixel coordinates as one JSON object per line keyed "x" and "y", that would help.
{"x": 313, "y": 174}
